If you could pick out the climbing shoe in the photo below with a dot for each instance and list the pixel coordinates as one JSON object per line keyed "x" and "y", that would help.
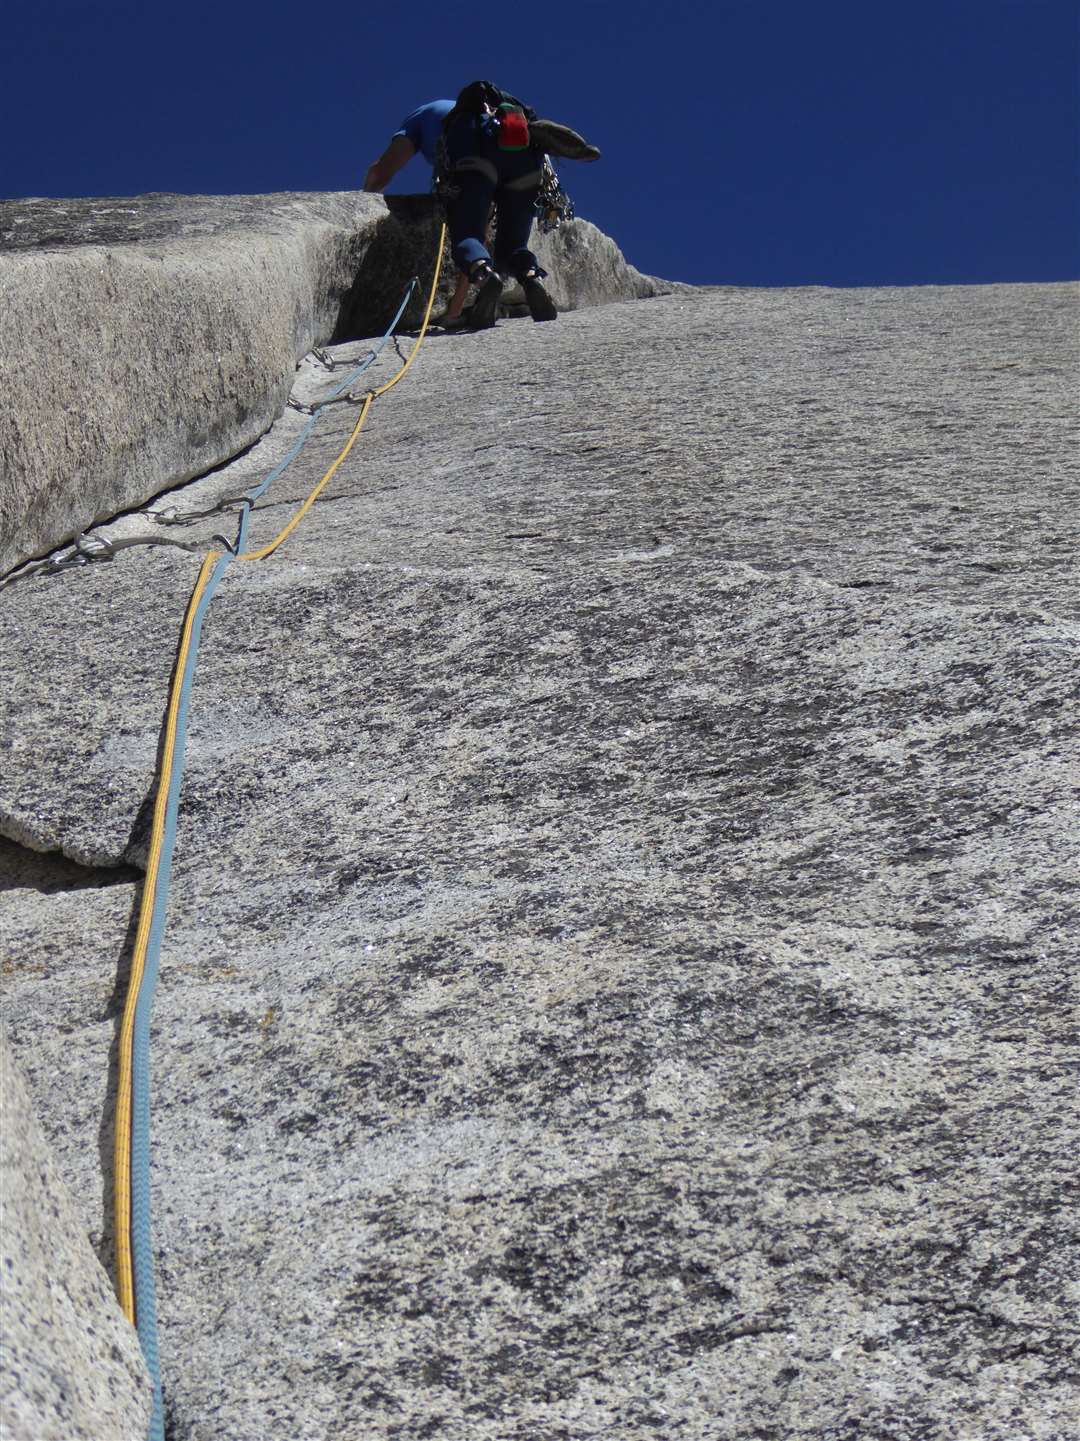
{"x": 483, "y": 310}
{"x": 561, "y": 140}
{"x": 541, "y": 306}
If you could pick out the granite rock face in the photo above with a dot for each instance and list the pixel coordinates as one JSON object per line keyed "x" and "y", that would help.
{"x": 147, "y": 339}
{"x": 585, "y": 267}
{"x": 70, "y": 1365}
{"x": 621, "y": 955}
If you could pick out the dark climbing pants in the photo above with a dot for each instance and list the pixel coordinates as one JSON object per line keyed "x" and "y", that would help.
{"x": 508, "y": 179}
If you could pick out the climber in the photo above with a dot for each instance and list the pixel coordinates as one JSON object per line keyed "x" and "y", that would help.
{"x": 485, "y": 150}
{"x": 420, "y": 131}
{"x": 459, "y": 140}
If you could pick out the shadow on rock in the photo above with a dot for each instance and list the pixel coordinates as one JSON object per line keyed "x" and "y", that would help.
{"x": 404, "y": 245}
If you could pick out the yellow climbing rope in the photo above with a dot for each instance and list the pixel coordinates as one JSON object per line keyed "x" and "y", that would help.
{"x": 122, "y": 1170}
{"x": 368, "y": 399}
{"x": 122, "y": 1140}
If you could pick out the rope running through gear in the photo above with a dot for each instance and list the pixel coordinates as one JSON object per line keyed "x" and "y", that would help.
{"x": 91, "y": 548}
{"x": 131, "y": 1155}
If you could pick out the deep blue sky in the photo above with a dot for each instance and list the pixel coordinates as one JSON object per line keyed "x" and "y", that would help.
{"x": 746, "y": 142}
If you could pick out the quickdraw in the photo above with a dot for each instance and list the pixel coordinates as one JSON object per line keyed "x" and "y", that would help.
{"x": 88, "y": 550}
{"x": 552, "y": 204}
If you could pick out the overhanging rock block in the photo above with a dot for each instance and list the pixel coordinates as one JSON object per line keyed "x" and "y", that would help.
{"x": 71, "y": 1365}
{"x": 148, "y": 339}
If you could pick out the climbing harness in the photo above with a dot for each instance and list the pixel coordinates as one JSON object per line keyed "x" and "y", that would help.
{"x": 552, "y": 205}
{"x": 131, "y": 1155}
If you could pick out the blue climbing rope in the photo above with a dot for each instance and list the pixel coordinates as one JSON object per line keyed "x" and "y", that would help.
{"x": 142, "y": 1258}
{"x": 142, "y": 1255}
{"x": 338, "y": 391}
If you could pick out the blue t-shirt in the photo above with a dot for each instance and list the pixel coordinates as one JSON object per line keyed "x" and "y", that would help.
{"x": 424, "y": 126}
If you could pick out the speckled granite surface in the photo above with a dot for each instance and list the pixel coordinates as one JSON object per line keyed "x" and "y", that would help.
{"x": 70, "y": 1365}
{"x": 620, "y": 969}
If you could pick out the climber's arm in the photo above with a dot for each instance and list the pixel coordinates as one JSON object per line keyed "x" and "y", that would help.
{"x": 396, "y": 155}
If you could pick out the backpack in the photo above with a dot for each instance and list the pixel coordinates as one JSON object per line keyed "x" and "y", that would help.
{"x": 511, "y": 115}
{"x": 517, "y": 127}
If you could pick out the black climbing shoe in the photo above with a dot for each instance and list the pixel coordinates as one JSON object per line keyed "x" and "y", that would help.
{"x": 483, "y": 309}
{"x": 541, "y": 306}
{"x": 561, "y": 140}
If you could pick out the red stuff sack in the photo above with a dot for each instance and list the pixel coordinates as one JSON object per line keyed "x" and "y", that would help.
{"x": 513, "y": 128}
